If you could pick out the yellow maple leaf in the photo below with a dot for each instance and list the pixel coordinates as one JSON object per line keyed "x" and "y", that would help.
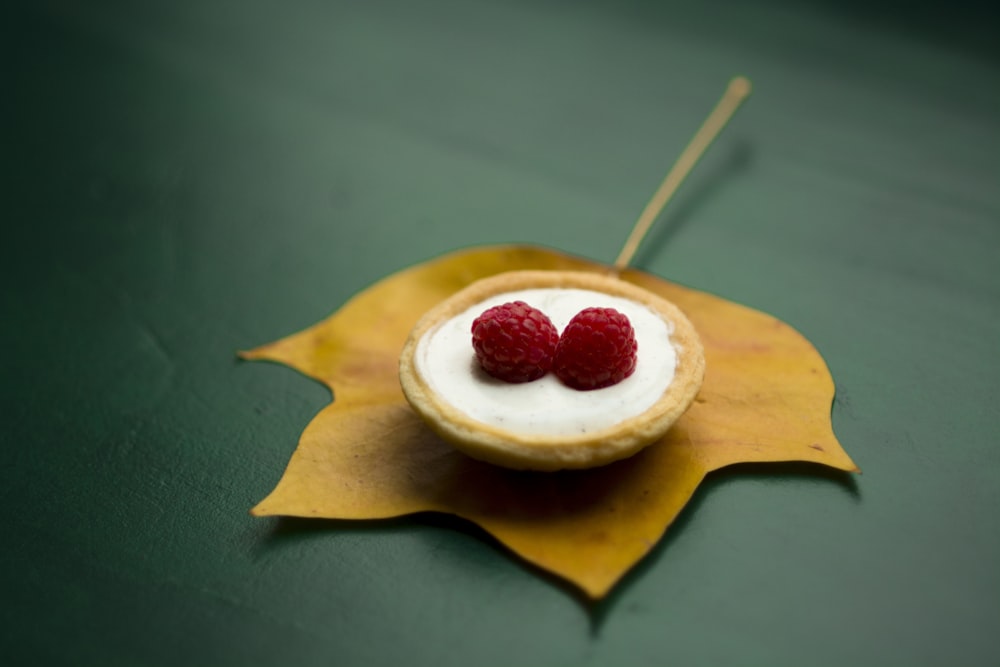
{"x": 766, "y": 397}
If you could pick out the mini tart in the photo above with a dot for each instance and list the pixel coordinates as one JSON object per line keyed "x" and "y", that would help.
{"x": 554, "y": 452}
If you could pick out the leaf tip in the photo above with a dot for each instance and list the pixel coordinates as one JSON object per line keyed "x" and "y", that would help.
{"x": 596, "y": 592}
{"x": 260, "y": 509}
{"x": 848, "y": 464}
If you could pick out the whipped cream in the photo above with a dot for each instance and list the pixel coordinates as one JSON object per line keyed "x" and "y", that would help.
{"x": 446, "y": 361}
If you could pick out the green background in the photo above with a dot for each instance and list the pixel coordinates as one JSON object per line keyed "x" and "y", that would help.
{"x": 181, "y": 180}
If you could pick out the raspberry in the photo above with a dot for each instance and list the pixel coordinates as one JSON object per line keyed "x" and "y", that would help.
{"x": 597, "y": 349}
{"x": 514, "y": 342}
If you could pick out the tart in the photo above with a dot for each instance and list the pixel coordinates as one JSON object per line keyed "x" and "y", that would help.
{"x": 545, "y": 425}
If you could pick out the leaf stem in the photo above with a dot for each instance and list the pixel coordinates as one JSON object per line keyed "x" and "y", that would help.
{"x": 737, "y": 91}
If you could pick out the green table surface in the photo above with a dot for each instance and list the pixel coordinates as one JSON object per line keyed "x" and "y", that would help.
{"x": 185, "y": 179}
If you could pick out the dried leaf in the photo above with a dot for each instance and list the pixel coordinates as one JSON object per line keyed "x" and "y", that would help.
{"x": 766, "y": 397}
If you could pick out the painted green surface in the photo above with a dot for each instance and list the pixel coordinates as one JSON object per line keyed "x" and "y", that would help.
{"x": 184, "y": 179}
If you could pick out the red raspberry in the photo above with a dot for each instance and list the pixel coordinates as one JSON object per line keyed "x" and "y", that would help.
{"x": 597, "y": 349}
{"x": 514, "y": 342}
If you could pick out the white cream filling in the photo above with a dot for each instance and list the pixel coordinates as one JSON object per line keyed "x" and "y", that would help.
{"x": 446, "y": 361}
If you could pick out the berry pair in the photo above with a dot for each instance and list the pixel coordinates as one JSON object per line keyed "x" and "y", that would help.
{"x": 515, "y": 342}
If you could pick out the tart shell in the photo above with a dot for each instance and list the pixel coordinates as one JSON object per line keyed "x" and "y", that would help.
{"x": 549, "y": 452}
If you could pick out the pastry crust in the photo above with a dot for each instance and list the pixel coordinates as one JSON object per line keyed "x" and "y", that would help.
{"x": 548, "y": 452}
